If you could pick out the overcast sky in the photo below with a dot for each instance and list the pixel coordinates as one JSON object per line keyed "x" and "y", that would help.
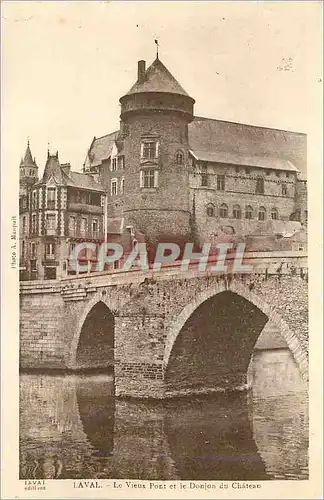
{"x": 66, "y": 64}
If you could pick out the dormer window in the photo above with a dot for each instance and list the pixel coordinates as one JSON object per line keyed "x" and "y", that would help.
{"x": 149, "y": 150}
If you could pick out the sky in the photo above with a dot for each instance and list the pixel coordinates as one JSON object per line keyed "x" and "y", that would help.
{"x": 66, "y": 64}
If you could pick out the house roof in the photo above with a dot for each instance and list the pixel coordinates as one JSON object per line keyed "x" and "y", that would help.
{"x": 53, "y": 169}
{"x": 100, "y": 149}
{"x": 253, "y": 143}
{"x": 230, "y": 142}
{"x": 268, "y": 162}
{"x": 158, "y": 79}
{"x": 82, "y": 181}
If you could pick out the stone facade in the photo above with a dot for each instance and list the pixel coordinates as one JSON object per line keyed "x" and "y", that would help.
{"x": 206, "y": 174}
{"x": 151, "y": 312}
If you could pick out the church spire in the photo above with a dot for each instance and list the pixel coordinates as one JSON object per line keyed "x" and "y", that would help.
{"x": 28, "y": 158}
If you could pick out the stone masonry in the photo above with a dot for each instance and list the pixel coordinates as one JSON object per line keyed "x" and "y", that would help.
{"x": 151, "y": 310}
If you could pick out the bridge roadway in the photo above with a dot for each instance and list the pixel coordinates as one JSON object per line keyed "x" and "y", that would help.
{"x": 142, "y": 323}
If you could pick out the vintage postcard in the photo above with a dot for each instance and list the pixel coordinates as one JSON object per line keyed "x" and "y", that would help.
{"x": 162, "y": 249}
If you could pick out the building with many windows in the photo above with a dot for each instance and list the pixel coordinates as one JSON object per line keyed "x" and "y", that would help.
{"x": 57, "y": 212}
{"x": 178, "y": 177}
{"x": 166, "y": 176}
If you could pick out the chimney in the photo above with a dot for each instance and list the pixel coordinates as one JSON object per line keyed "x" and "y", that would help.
{"x": 66, "y": 167}
{"x": 141, "y": 71}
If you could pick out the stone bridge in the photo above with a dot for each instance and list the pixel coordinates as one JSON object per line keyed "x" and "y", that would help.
{"x": 170, "y": 331}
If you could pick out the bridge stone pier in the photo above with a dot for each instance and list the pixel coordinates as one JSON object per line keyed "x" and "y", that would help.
{"x": 168, "y": 332}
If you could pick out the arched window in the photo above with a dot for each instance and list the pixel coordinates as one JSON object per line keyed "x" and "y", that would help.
{"x": 236, "y": 212}
{"x": 248, "y": 212}
{"x": 179, "y": 158}
{"x": 274, "y": 214}
{"x": 223, "y": 211}
{"x": 262, "y": 213}
{"x": 210, "y": 209}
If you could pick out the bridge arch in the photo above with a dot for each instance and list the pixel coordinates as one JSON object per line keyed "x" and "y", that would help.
{"x": 100, "y": 309}
{"x": 241, "y": 291}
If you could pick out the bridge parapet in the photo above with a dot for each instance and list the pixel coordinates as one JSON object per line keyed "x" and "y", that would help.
{"x": 151, "y": 308}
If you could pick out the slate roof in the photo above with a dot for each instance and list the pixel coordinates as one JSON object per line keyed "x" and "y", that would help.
{"x": 230, "y": 142}
{"x": 100, "y": 149}
{"x": 82, "y": 181}
{"x": 73, "y": 179}
{"x": 242, "y": 142}
{"x": 158, "y": 79}
{"x": 53, "y": 169}
{"x": 28, "y": 160}
{"x": 267, "y": 162}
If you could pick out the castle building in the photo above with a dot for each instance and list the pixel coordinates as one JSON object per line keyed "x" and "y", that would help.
{"x": 177, "y": 177}
{"x": 165, "y": 176}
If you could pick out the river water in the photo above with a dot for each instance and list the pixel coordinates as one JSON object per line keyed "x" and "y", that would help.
{"x": 72, "y": 427}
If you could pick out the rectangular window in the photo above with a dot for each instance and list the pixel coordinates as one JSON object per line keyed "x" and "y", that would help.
{"x": 24, "y": 225}
{"x": 204, "y": 176}
{"x": 51, "y": 194}
{"x": 51, "y": 222}
{"x": 122, "y": 186}
{"x": 95, "y": 228}
{"x": 149, "y": 150}
{"x": 284, "y": 189}
{"x": 34, "y": 223}
{"x": 23, "y": 249}
{"x": 260, "y": 186}
{"x": 34, "y": 199}
{"x": 83, "y": 226}
{"x": 50, "y": 251}
{"x": 72, "y": 225}
{"x": 114, "y": 164}
{"x": 220, "y": 182}
{"x": 33, "y": 250}
{"x": 121, "y": 162}
{"x": 149, "y": 178}
{"x": 113, "y": 187}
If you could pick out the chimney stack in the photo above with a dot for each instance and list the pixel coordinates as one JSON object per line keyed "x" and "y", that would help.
{"x": 141, "y": 71}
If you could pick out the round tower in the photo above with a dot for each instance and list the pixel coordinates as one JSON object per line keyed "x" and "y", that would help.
{"x": 154, "y": 131}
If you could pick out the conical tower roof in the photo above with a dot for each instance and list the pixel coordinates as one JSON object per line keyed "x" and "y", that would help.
{"x": 157, "y": 78}
{"x": 28, "y": 158}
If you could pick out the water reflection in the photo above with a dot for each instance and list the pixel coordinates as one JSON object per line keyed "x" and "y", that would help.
{"x": 72, "y": 427}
